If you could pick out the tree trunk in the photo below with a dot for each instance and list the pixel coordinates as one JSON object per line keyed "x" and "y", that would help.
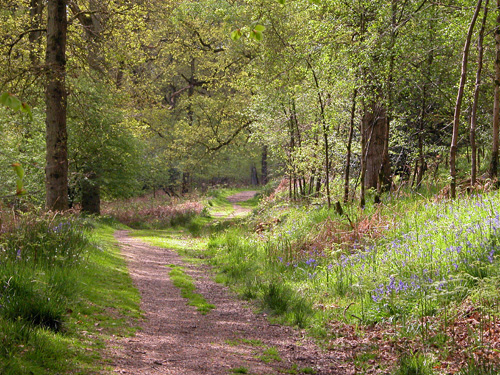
{"x": 253, "y": 176}
{"x": 421, "y": 162}
{"x": 496, "y": 100}
{"x": 363, "y": 162}
{"x": 56, "y": 170}
{"x": 349, "y": 147}
{"x": 185, "y": 183}
{"x": 458, "y": 105}
{"x": 375, "y": 127}
{"x": 473, "y": 120}
{"x": 264, "y": 177}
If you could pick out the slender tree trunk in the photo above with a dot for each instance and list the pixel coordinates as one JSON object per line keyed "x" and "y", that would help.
{"x": 421, "y": 170}
{"x": 473, "y": 120}
{"x": 264, "y": 178}
{"x": 349, "y": 147}
{"x": 363, "y": 162}
{"x": 56, "y": 170}
{"x": 496, "y": 101}
{"x": 325, "y": 136}
{"x": 253, "y": 176}
{"x": 458, "y": 105}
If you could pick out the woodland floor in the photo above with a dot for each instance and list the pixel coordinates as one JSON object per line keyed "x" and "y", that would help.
{"x": 176, "y": 339}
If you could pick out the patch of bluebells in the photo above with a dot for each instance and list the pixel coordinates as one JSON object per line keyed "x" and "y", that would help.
{"x": 425, "y": 259}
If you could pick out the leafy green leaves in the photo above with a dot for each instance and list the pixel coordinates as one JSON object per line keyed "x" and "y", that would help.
{"x": 14, "y": 103}
{"x": 20, "y": 176}
{"x": 255, "y": 33}
{"x": 236, "y": 34}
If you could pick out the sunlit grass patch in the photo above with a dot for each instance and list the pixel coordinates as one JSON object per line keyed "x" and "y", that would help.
{"x": 61, "y": 293}
{"x": 186, "y": 284}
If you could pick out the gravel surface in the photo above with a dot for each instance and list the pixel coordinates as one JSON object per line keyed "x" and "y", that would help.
{"x": 177, "y": 339}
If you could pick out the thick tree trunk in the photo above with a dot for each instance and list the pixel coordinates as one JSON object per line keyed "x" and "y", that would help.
{"x": 458, "y": 105}
{"x": 375, "y": 128}
{"x": 473, "y": 120}
{"x": 496, "y": 101}
{"x": 56, "y": 170}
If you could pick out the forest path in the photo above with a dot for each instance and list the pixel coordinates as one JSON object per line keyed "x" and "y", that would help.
{"x": 238, "y": 211}
{"x": 176, "y": 339}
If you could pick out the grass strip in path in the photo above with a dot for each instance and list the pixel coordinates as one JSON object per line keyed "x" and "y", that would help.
{"x": 185, "y": 283}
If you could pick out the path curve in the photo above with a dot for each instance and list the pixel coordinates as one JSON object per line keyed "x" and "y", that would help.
{"x": 176, "y": 339}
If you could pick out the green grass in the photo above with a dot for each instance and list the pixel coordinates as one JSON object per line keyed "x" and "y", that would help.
{"x": 414, "y": 364}
{"x": 270, "y": 354}
{"x": 61, "y": 314}
{"x": 185, "y": 283}
{"x": 398, "y": 262}
{"x": 218, "y": 204}
{"x": 252, "y": 202}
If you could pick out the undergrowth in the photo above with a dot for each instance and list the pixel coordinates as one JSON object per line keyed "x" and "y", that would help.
{"x": 61, "y": 290}
{"x": 422, "y": 266}
{"x": 154, "y": 212}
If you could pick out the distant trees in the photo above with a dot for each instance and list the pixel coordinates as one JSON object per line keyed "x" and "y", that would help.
{"x": 341, "y": 98}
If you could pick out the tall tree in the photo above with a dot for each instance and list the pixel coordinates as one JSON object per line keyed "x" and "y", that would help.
{"x": 473, "y": 119}
{"x": 496, "y": 100}
{"x": 458, "y": 105}
{"x": 56, "y": 170}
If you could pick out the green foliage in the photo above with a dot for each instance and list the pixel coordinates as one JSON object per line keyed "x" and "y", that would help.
{"x": 103, "y": 149}
{"x": 414, "y": 364}
{"x": 55, "y": 302}
{"x": 12, "y": 102}
{"x": 475, "y": 368}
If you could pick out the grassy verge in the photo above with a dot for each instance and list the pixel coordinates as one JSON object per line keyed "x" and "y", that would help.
{"x": 418, "y": 267}
{"x": 61, "y": 295}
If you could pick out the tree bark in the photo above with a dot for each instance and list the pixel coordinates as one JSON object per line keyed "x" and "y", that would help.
{"x": 473, "y": 120}
{"x": 458, "y": 105}
{"x": 349, "y": 147}
{"x": 375, "y": 127}
{"x": 253, "y": 176}
{"x": 421, "y": 158}
{"x": 496, "y": 101}
{"x": 264, "y": 177}
{"x": 56, "y": 170}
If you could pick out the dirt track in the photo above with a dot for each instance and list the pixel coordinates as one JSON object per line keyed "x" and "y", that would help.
{"x": 176, "y": 339}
